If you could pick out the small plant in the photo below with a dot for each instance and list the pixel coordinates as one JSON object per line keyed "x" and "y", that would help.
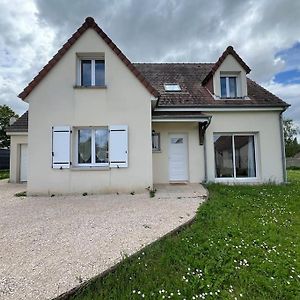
{"x": 84, "y": 194}
{"x": 21, "y": 194}
{"x": 151, "y": 191}
{"x": 79, "y": 279}
{"x": 132, "y": 193}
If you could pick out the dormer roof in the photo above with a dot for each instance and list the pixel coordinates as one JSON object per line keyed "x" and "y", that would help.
{"x": 231, "y": 51}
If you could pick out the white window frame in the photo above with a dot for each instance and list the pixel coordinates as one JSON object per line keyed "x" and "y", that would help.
{"x": 172, "y": 87}
{"x": 93, "y": 150}
{"x": 159, "y": 145}
{"x": 234, "y": 178}
{"x": 238, "y": 87}
{"x": 93, "y": 65}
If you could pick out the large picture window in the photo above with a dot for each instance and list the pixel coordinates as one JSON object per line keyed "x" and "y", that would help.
{"x": 234, "y": 156}
{"x": 92, "y": 146}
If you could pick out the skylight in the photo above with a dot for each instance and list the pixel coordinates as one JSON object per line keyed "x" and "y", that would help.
{"x": 172, "y": 87}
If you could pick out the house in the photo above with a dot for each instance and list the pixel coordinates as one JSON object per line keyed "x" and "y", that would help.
{"x": 99, "y": 123}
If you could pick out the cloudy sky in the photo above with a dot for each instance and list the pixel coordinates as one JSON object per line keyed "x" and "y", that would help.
{"x": 264, "y": 32}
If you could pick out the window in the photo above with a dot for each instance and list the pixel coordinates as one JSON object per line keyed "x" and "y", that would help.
{"x": 234, "y": 156}
{"x": 92, "y": 72}
{"x": 172, "y": 87}
{"x": 92, "y": 146}
{"x": 228, "y": 87}
{"x": 155, "y": 141}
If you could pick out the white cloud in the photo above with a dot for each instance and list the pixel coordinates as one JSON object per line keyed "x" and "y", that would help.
{"x": 152, "y": 30}
{"x": 25, "y": 45}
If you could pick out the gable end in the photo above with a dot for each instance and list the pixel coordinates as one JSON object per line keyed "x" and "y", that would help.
{"x": 89, "y": 23}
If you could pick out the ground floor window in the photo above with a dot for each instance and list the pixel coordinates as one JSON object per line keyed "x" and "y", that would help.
{"x": 235, "y": 156}
{"x": 155, "y": 141}
{"x": 92, "y": 146}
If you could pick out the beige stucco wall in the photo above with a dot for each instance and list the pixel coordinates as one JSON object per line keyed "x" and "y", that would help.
{"x": 230, "y": 64}
{"x": 265, "y": 125}
{"x": 15, "y": 142}
{"x": 55, "y": 102}
{"x": 195, "y": 151}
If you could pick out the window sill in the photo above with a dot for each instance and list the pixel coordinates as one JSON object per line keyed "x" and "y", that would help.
{"x": 79, "y": 168}
{"x": 92, "y": 87}
{"x": 237, "y": 180}
{"x": 156, "y": 151}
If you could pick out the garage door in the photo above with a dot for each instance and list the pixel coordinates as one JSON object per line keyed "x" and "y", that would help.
{"x": 23, "y": 163}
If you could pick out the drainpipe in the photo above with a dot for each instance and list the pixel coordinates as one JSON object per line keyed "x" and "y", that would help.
{"x": 282, "y": 147}
{"x": 205, "y": 153}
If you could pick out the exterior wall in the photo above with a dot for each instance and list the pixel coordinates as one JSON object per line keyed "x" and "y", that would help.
{"x": 54, "y": 102}
{"x": 15, "y": 142}
{"x": 230, "y": 65}
{"x": 195, "y": 151}
{"x": 265, "y": 125}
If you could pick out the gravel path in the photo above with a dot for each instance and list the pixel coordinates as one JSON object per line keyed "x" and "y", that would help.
{"x": 48, "y": 245}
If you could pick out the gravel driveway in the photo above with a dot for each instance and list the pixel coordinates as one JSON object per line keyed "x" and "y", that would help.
{"x": 49, "y": 244}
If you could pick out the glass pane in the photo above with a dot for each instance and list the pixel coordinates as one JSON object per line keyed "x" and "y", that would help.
{"x": 86, "y": 73}
{"x": 99, "y": 72}
{"x": 244, "y": 156}
{"x": 232, "y": 87}
{"x": 155, "y": 142}
{"x": 84, "y": 146}
{"x": 101, "y": 145}
{"x": 176, "y": 140}
{"x": 223, "y": 87}
{"x": 223, "y": 156}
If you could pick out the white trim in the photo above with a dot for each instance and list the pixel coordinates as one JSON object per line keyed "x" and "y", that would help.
{"x": 93, "y": 66}
{"x": 93, "y": 154}
{"x": 234, "y": 178}
{"x": 222, "y": 109}
{"x": 180, "y": 120}
{"x": 16, "y": 133}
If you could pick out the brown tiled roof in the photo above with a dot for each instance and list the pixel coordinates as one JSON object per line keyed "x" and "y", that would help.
{"x": 193, "y": 94}
{"x": 215, "y": 67}
{"x": 89, "y": 23}
{"x": 21, "y": 125}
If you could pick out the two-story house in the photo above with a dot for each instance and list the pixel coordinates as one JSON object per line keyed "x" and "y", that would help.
{"x": 99, "y": 123}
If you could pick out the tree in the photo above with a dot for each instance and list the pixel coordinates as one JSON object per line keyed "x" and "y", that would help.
{"x": 5, "y": 114}
{"x": 290, "y": 131}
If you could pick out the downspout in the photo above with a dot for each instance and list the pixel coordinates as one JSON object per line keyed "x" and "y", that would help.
{"x": 205, "y": 153}
{"x": 282, "y": 147}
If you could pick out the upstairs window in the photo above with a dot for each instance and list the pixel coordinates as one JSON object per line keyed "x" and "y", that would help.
{"x": 91, "y": 72}
{"x": 228, "y": 86}
{"x": 172, "y": 87}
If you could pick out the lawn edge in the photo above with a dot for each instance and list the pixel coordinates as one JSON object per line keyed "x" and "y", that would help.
{"x": 176, "y": 230}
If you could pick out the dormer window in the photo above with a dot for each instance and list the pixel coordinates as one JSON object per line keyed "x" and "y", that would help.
{"x": 91, "y": 70}
{"x": 229, "y": 87}
{"x": 172, "y": 87}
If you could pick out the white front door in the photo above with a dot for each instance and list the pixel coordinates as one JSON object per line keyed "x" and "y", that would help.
{"x": 178, "y": 157}
{"x": 23, "y": 162}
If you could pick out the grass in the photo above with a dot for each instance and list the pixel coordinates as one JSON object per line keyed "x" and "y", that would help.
{"x": 244, "y": 244}
{"x": 4, "y": 174}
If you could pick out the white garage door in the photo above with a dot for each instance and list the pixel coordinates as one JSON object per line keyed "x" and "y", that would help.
{"x": 178, "y": 157}
{"x": 23, "y": 163}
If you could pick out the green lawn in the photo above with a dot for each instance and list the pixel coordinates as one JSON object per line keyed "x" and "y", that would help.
{"x": 4, "y": 174}
{"x": 244, "y": 244}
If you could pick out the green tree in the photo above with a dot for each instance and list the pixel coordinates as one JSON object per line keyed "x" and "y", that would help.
{"x": 5, "y": 114}
{"x": 290, "y": 131}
